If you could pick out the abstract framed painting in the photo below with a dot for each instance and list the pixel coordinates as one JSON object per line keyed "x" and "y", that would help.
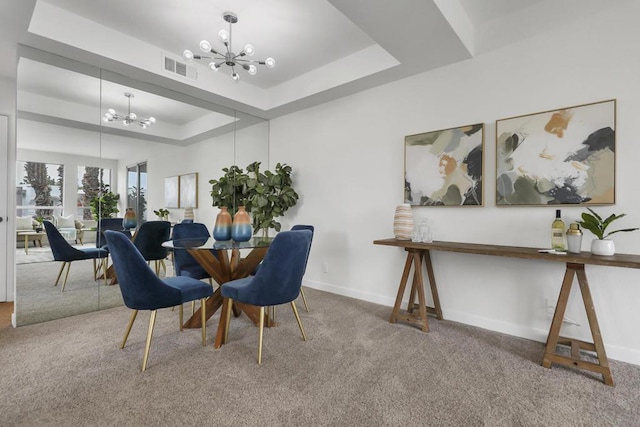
{"x": 445, "y": 167}
{"x": 172, "y": 192}
{"x": 557, "y": 157}
{"x": 189, "y": 190}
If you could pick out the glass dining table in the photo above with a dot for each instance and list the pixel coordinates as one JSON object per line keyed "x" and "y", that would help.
{"x": 224, "y": 261}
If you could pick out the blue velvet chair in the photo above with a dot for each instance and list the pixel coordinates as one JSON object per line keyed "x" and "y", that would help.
{"x": 108, "y": 224}
{"x": 183, "y": 263}
{"x": 148, "y": 240}
{"x": 63, "y": 251}
{"x": 143, "y": 290}
{"x": 304, "y": 299}
{"x": 278, "y": 280}
{"x": 312, "y": 229}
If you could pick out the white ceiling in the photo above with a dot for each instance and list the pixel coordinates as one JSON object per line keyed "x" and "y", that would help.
{"x": 323, "y": 49}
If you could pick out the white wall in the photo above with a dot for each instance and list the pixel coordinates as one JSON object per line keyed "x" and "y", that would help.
{"x": 8, "y": 108}
{"x": 347, "y": 157}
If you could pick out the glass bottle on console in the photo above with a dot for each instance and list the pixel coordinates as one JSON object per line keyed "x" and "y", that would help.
{"x": 558, "y": 233}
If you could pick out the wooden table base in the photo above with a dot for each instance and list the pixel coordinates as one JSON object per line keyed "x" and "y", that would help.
{"x": 223, "y": 269}
{"x": 415, "y": 258}
{"x": 576, "y": 346}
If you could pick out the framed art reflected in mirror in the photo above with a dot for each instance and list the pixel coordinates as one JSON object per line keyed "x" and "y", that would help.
{"x": 189, "y": 190}
{"x": 172, "y": 192}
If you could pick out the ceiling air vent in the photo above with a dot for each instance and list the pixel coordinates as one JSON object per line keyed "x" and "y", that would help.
{"x": 178, "y": 67}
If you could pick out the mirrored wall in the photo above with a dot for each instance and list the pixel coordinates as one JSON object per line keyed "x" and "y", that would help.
{"x": 67, "y": 154}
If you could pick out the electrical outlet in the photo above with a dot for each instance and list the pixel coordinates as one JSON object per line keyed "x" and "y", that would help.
{"x": 325, "y": 267}
{"x": 551, "y": 309}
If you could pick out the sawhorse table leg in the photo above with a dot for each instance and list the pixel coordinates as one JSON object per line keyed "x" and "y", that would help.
{"x": 415, "y": 258}
{"x": 554, "y": 339}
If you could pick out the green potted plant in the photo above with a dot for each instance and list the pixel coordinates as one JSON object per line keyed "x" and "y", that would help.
{"x": 230, "y": 190}
{"x": 271, "y": 194}
{"x": 105, "y": 205}
{"x": 598, "y": 226}
{"x": 162, "y": 213}
{"x": 39, "y": 220}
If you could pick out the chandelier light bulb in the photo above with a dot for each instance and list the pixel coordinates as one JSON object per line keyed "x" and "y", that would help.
{"x": 223, "y": 36}
{"x": 205, "y": 46}
{"x": 227, "y": 57}
{"x": 249, "y": 50}
{"x": 129, "y": 118}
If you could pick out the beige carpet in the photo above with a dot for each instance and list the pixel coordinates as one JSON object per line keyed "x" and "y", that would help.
{"x": 37, "y": 300}
{"x": 356, "y": 370}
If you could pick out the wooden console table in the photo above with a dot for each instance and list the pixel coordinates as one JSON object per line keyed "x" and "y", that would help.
{"x": 419, "y": 253}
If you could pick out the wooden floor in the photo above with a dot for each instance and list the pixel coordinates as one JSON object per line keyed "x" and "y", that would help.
{"x": 6, "y": 308}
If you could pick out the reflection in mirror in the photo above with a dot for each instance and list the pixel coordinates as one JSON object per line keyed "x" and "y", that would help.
{"x": 60, "y": 109}
{"x": 53, "y": 157}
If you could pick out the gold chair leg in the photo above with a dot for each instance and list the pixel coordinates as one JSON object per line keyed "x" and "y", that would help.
{"x": 304, "y": 300}
{"x": 295, "y": 312}
{"x": 60, "y": 272}
{"x": 203, "y": 309}
{"x": 105, "y": 265}
{"x": 132, "y": 319}
{"x": 260, "y": 334}
{"x": 152, "y": 322}
{"x": 193, "y": 307}
{"x": 228, "y": 319}
{"x": 66, "y": 276}
{"x": 164, "y": 266}
{"x": 181, "y": 316}
{"x": 95, "y": 270}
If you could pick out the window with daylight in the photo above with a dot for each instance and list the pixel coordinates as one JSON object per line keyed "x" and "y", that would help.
{"x": 137, "y": 190}
{"x": 90, "y": 182}
{"x": 39, "y": 189}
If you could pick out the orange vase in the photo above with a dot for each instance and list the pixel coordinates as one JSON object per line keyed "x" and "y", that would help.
{"x": 222, "y": 227}
{"x": 241, "y": 228}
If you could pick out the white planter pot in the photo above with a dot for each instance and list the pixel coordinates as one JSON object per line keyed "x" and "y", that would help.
{"x": 603, "y": 247}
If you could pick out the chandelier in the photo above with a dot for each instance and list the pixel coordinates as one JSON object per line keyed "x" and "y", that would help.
{"x": 229, "y": 58}
{"x": 130, "y": 118}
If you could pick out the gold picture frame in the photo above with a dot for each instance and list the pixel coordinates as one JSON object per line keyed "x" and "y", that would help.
{"x": 445, "y": 167}
{"x": 189, "y": 190}
{"x": 557, "y": 157}
{"x": 172, "y": 192}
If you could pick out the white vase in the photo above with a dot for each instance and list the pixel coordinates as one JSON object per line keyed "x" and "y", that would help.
{"x": 603, "y": 247}
{"x": 403, "y": 222}
{"x": 188, "y": 213}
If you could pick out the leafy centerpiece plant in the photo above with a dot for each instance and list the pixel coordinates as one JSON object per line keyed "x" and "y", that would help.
{"x": 271, "y": 195}
{"x": 265, "y": 195}
{"x": 105, "y": 205}
{"x": 598, "y": 226}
